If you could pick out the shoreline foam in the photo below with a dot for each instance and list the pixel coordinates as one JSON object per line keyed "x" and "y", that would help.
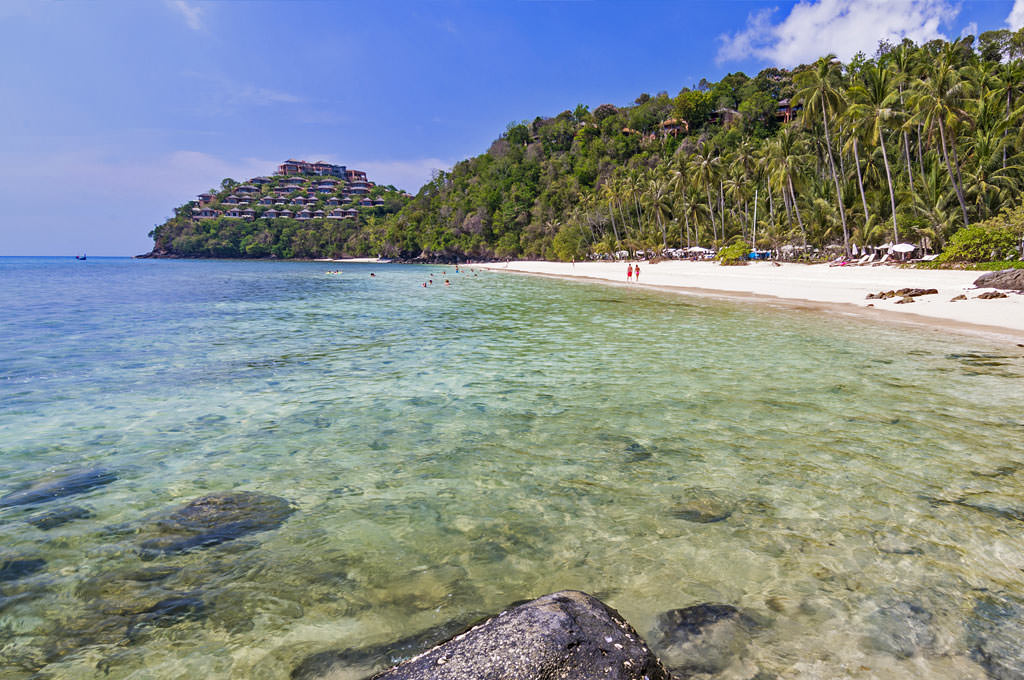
{"x": 818, "y": 288}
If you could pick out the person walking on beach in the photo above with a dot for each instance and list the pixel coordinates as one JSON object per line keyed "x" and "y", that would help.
{"x": 636, "y": 273}
{"x": 629, "y": 273}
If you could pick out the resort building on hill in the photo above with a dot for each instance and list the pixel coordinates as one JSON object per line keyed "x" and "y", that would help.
{"x": 355, "y": 175}
{"x": 204, "y": 213}
{"x": 294, "y": 167}
{"x": 205, "y": 198}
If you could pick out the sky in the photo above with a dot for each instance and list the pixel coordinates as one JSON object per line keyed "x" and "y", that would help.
{"x": 113, "y": 113}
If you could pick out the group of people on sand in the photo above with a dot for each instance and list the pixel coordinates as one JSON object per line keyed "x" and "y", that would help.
{"x": 633, "y": 273}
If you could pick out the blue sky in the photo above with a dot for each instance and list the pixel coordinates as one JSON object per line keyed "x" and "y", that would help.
{"x": 112, "y": 113}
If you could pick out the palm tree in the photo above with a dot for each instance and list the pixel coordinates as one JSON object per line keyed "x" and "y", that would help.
{"x": 707, "y": 163}
{"x": 875, "y": 102}
{"x": 785, "y": 158}
{"x": 820, "y": 93}
{"x": 937, "y": 104}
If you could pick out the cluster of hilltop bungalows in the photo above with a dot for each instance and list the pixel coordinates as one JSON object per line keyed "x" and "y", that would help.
{"x": 299, "y": 190}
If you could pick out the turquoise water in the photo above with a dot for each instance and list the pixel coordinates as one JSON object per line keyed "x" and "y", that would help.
{"x": 450, "y": 450}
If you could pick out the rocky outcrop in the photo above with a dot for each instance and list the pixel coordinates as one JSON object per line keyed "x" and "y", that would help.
{"x": 214, "y": 519}
{"x": 76, "y": 483}
{"x": 991, "y": 295}
{"x": 1007, "y": 279}
{"x": 567, "y": 635}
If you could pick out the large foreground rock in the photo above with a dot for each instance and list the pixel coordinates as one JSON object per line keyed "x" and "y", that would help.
{"x": 1007, "y": 279}
{"x": 567, "y": 635}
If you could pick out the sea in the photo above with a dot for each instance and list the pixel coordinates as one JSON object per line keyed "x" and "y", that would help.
{"x": 405, "y": 459}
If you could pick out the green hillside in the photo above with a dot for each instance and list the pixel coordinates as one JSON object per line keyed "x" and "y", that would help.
{"x": 912, "y": 144}
{"x": 263, "y": 217}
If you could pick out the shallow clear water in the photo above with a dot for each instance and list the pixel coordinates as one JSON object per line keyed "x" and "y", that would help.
{"x": 451, "y": 450}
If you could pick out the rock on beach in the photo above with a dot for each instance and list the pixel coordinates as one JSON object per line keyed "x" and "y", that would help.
{"x": 568, "y": 635}
{"x": 1006, "y": 279}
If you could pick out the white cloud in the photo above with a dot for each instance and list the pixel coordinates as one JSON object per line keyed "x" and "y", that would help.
{"x": 1016, "y": 19}
{"x": 814, "y": 28}
{"x": 192, "y": 14}
{"x": 970, "y": 29}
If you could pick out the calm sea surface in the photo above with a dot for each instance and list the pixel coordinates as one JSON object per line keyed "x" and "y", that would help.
{"x": 858, "y": 489}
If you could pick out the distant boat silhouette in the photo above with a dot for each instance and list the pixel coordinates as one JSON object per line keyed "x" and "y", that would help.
{"x": 80, "y": 257}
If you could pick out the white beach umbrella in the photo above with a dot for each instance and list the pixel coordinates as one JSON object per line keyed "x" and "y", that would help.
{"x": 855, "y": 253}
{"x": 885, "y": 246}
{"x": 903, "y": 248}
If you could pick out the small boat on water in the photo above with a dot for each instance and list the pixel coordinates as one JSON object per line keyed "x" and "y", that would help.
{"x": 80, "y": 257}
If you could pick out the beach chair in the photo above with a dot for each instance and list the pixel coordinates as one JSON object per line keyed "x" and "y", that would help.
{"x": 866, "y": 260}
{"x": 885, "y": 258}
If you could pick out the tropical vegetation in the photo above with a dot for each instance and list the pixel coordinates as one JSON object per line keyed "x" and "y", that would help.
{"x": 916, "y": 143}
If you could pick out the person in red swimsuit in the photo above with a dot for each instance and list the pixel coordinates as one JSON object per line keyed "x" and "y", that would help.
{"x": 629, "y": 273}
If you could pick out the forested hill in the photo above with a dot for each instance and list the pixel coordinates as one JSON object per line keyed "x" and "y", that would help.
{"x": 304, "y": 214}
{"x": 911, "y": 144}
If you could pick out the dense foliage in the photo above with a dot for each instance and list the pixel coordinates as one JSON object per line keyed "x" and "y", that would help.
{"x": 995, "y": 239}
{"x": 912, "y": 144}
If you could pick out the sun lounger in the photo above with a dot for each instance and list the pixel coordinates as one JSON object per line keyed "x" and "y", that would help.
{"x": 866, "y": 260}
{"x": 884, "y": 259}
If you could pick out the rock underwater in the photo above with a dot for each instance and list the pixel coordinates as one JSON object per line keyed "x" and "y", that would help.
{"x": 214, "y": 519}
{"x": 568, "y": 635}
{"x": 76, "y": 483}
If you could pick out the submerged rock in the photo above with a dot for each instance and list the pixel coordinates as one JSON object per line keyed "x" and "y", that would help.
{"x": 79, "y": 482}
{"x": 215, "y": 519}
{"x": 1006, "y": 279}
{"x": 59, "y": 517}
{"x": 167, "y": 612}
{"x": 567, "y": 635}
{"x": 12, "y": 570}
{"x": 902, "y": 629}
{"x": 994, "y": 634}
{"x": 365, "y": 660}
{"x": 702, "y": 506}
{"x": 705, "y": 638}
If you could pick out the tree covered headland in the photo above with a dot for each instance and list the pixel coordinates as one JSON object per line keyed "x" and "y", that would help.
{"x": 261, "y": 234}
{"x": 916, "y": 143}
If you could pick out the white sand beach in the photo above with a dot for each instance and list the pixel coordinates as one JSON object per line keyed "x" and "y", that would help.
{"x": 830, "y": 289}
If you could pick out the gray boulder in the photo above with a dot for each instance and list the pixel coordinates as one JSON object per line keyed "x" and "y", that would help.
{"x": 1007, "y": 279}
{"x": 567, "y": 635}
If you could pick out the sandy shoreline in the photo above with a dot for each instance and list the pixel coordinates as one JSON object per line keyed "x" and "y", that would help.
{"x": 817, "y": 287}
